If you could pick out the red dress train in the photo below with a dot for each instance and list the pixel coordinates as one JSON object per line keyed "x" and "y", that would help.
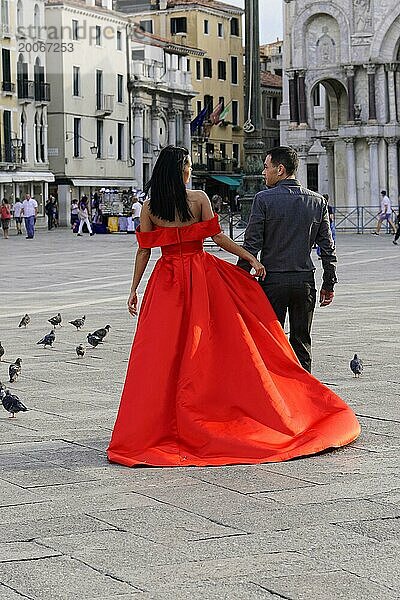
{"x": 212, "y": 379}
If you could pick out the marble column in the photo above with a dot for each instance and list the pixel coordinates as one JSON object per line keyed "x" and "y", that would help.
{"x": 155, "y": 127}
{"x": 171, "y": 113}
{"x": 371, "y": 69}
{"x": 391, "y": 70}
{"x": 350, "y": 93}
{"x": 302, "y": 98}
{"x": 302, "y": 153}
{"x": 393, "y": 168}
{"x": 373, "y": 171}
{"x": 187, "y": 136}
{"x": 351, "y": 172}
{"x": 293, "y": 98}
{"x": 330, "y": 165}
{"x": 138, "y": 110}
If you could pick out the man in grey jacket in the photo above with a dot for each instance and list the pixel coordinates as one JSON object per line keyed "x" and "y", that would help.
{"x": 286, "y": 221}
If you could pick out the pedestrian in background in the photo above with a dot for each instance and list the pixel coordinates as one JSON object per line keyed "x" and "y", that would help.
{"x": 49, "y": 210}
{"x": 385, "y": 214}
{"x": 29, "y": 212}
{"x": 5, "y": 214}
{"x": 83, "y": 214}
{"x": 74, "y": 212}
{"x": 397, "y": 234}
{"x": 17, "y": 208}
{"x": 136, "y": 210}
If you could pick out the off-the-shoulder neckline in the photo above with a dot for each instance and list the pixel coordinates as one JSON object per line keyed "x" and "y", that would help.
{"x": 158, "y": 227}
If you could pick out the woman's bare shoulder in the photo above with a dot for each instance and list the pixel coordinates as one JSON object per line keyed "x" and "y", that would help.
{"x": 197, "y": 195}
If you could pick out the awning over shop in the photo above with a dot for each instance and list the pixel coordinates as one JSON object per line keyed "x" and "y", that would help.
{"x": 233, "y": 181}
{"x": 21, "y": 176}
{"x": 102, "y": 183}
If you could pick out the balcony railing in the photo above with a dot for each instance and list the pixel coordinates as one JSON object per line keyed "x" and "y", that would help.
{"x": 25, "y": 89}
{"x": 10, "y": 155}
{"x": 42, "y": 91}
{"x": 105, "y": 103}
{"x": 8, "y": 86}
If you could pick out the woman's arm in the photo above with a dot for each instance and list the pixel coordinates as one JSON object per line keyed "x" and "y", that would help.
{"x": 141, "y": 260}
{"x": 225, "y": 242}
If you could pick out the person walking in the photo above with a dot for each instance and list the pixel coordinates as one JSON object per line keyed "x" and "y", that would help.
{"x": 29, "y": 212}
{"x": 136, "y": 211}
{"x": 49, "y": 210}
{"x": 212, "y": 378}
{"x": 83, "y": 215}
{"x": 286, "y": 221}
{"x": 5, "y": 215}
{"x": 17, "y": 208}
{"x": 385, "y": 214}
{"x": 332, "y": 225}
{"x": 74, "y": 212}
{"x": 397, "y": 234}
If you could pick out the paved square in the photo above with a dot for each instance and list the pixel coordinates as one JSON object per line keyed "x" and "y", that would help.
{"x": 73, "y": 526}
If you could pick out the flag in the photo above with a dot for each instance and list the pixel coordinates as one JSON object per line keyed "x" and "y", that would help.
{"x": 215, "y": 115}
{"x": 225, "y": 111}
{"x": 199, "y": 120}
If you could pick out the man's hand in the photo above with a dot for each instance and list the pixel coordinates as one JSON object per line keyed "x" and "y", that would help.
{"x": 325, "y": 297}
{"x": 132, "y": 304}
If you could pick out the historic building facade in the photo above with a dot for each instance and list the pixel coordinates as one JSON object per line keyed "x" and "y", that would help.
{"x": 341, "y": 106}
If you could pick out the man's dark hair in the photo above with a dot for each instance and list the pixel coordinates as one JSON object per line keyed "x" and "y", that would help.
{"x": 383, "y": 192}
{"x": 286, "y": 156}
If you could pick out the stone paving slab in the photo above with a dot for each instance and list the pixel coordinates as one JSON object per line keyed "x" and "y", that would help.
{"x": 77, "y": 527}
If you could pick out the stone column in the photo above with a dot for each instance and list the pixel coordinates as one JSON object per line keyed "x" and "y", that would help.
{"x": 330, "y": 163}
{"x": 187, "y": 136}
{"x": 391, "y": 70}
{"x": 302, "y": 98}
{"x": 393, "y": 164}
{"x": 293, "y": 98}
{"x": 302, "y": 153}
{"x": 350, "y": 93}
{"x": 138, "y": 110}
{"x": 371, "y": 69}
{"x": 351, "y": 172}
{"x": 64, "y": 204}
{"x": 373, "y": 170}
{"x": 171, "y": 113}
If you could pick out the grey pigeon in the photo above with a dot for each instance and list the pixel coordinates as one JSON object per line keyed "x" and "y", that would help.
{"x": 14, "y": 370}
{"x": 356, "y": 365}
{"x": 101, "y": 333}
{"x": 1, "y": 351}
{"x": 78, "y": 323}
{"x": 48, "y": 339}
{"x": 55, "y": 320}
{"x": 93, "y": 340}
{"x": 24, "y": 321}
{"x": 11, "y": 402}
{"x": 80, "y": 350}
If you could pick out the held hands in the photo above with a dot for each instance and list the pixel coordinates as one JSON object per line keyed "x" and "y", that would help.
{"x": 132, "y": 304}
{"x": 258, "y": 267}
{"x": 325, "y": 297}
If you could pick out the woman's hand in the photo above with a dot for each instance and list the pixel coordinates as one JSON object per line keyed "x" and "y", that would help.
{"x": 258, "y": 267}
{"x": 132, "y": 304}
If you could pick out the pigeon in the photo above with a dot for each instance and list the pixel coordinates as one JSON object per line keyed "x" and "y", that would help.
{"x": 14, "y": 370}
{"x": 93, "y": 340}
{"x": 11, "y": 402}
{"x": 48, "y": 339}
{"x": 55, "y": 320}
{"x": 101, "y": 333}
{"x": 80, "y": 350}
{"x": 356, "y": 365}
{"x": 24, "y": 321}
{"x": 78, "y": 323}
{"x": 1, "y": 351}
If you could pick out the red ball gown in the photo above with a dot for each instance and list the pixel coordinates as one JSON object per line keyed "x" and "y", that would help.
{"x": 212, "y": 379}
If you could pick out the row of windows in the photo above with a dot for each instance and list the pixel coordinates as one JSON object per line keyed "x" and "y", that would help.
{"x": 179, "y": 25}
{"x": 77, "y": 86}
{"x": 76, "y": 36}
{"x": 221, "y": 69}
{"x": 99, "y": 139}
{"x": 8, "y": 152}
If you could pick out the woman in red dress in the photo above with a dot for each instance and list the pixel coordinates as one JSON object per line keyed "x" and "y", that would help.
{"x": 212, "y": 379}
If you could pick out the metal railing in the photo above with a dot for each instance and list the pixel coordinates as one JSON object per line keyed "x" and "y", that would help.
{"x": 42, "y": 91}
{"x": 25, "y": 89}
{"x": 8, "y": 86}
{"x": 10, "y": 155}
{"x": 105, "y": 103}
{"x": 357, "y": 219}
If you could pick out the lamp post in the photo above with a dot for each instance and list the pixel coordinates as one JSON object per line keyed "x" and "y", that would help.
{"x": 253, "y": 181}
{"x": 16, "y": 144}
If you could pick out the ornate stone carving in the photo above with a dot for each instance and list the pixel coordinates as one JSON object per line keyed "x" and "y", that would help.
{"x": 362, "y": 16}
{"x": 138, "y": 108}
{"x": 326, "y": 48}
{"x": 357, "y": 113}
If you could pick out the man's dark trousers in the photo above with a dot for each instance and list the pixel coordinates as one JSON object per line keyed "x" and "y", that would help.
{"x": 294, "y": 293}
